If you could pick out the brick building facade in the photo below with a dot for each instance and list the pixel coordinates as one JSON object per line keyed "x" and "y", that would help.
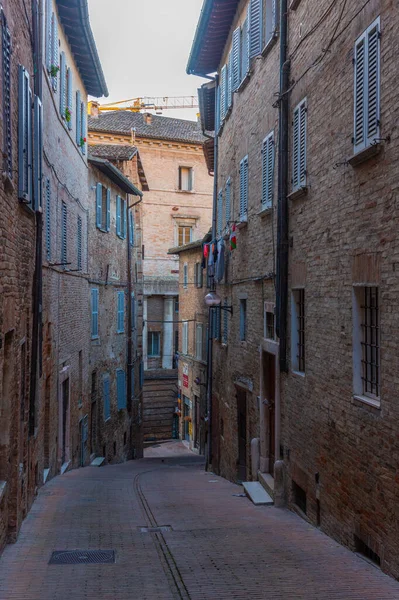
{"x": 176, "y": 209}
{"x": 317, "y": 402}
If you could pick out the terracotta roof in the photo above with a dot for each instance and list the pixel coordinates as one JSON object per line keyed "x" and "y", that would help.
{"x": 113, "y": 151}
{"x": 115, "y": 175}
{"x": 160, "y": 128}
{"x": 74, "y": 16}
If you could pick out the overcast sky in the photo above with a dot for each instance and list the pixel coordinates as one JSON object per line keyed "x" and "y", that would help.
{"x": 144, "y": 47}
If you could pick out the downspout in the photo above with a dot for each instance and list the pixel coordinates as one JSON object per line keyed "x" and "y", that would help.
{"x": 212, "y": 283}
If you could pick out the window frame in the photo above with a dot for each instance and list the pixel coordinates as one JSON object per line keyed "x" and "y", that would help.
{"x": 199, "y": 338}
{"x": 298, "y": 330}
{"x": 152, "y": 334}
{"x": 183, "y": 229}
{"x": 190, "y": 178}
{"x": 362, "y": 346}
{"x": 243, "y": 320}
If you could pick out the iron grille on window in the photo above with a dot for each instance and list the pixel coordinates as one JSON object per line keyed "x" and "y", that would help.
{"x": 300, "y": 302}
{"x": 6, "y": 47}
{"x": 370, "y": 342}
{"x": 270, "y": 325}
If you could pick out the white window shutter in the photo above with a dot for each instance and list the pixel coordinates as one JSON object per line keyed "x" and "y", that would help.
{"x": 303, "y": 142}
{"x": 255, "y": 28}
{"x": 295, "y": 149}
{"x": 373, "y": 82}
{"x": 299, "y": 150}
{"x": 236, "y": 50}
{"x": 223, "y": 93}
{"x": 360, "y": 94}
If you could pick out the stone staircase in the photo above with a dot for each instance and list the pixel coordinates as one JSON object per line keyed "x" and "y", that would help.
{"x": 159, "y": 403}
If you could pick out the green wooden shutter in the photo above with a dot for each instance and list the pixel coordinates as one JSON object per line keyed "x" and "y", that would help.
{"x": 255, "y": 28}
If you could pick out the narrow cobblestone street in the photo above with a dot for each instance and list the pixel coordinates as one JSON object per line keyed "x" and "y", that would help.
{"x": 220, "y": 545}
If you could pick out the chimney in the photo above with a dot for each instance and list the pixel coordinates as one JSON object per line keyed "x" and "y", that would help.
{"x": 147, "y": 118}
{"x": 94, "y": 109}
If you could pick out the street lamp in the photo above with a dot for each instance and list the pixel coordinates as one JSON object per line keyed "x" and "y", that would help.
{"x": 212, "y": 300}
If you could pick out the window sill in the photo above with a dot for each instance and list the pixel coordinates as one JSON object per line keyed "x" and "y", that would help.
{"x": 299, "y": 193}
{"x": 373, "y": 402}
{"x": 269, "y": 45}
{"x": 299, "y": 373}
{"x": 244, "y": 82}
{"x": 267, "y": 210}
{"x": 242, "y": 224}
{"x": 185, "y": 191}
{"x": 364, "y": 155}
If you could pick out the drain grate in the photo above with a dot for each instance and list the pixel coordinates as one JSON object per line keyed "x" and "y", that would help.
{"x": 82, "y": 557}
{"x": 155, "y": 529}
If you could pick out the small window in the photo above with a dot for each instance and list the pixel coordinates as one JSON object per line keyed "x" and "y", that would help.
{"x": 154, "y": 344}
{"x": 243, "y": 320}
{"x": 185, "y": 276}
{"x": 94, "y": 313}
{"x": 298, "y": 331}
{"x": 269, "y": 324}
{"x": 199, "y": 334}
{"x": 185, "y": 235}
{"x": 185, "y": 179}
{"x": 299, "y": 153}
{"x": 199, "y": 281}
{"x": 366, "y": 351}
{"x": 185, "y": 337}
{"x": 121, "y": 312}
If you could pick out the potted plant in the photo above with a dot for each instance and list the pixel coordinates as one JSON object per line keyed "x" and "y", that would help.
{"x": 54, "y": 70}
{"x": 82, "y": 142}
{"x": 68, "y": 115}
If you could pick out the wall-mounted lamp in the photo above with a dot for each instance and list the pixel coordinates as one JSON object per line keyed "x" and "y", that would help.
{"x": 213, "y": 301}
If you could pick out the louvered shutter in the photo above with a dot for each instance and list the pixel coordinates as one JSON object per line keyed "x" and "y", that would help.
{"x": 267, "y": 170}
{"x": 121, "y": 389}
{"x": 230, "y": 81}
{"x": 121, "y": 312}
{"x": 220, "y": 213}
{"x": 108, "y": 222}
{"x": 79, "y": 245}
{"x": 131, "y": 228}
{"x": 84, "y": 126}
{"x": 244, "y": 50}
{"x": 236, "y": 50}
{"x": 70, "y": 95}
{"x": 244, "y": 189}
{"x": 48, "y": 219}
{"x": 373, "y": 83}
{"x": 37, "y": 152}
{"x": 94, "y": 313}
{"x": 123, "y": 217}
{"x": 185, "y": 338}
{"x": 49, "y": 48}
{"x": 217, "y": 111}
{"x": 99, "y": 197}
{"x": 302, "y": 146}
{"x": 118, "y": 216}
{"x": 295, "y": 149}
{"x": 228, "y": 201}
{"x": 107, "y": 404}
{"x": 7, "y": 129}
{"x": 360, "y": 94}
{"x": 55, "y": 47}
{"x": 24, "y": 137}
{"x": 223, "y": 93}
{"x": 78, "y": 118}
{"x": 63, "y": 90}
{"x": 255, "y": 27}
{"x": 299, "y": 146}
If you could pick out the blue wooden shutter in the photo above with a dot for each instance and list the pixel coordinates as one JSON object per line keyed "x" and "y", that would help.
{"x": 121, "y": 312}
{"x": 230, "y": 81}
{"x": 373, "y": 83}
{"x": 121, "y": 389}
{"x": 217, "y": 110}
{"x": 228, "y": 201}
{"x": 236, "y": 50}
{"x": 118, "y": 216}
{"x": 244, "y": 50}
{"x": 37, "y": 151}
{"x": 220, "y": 213}
{"x": 223, "y": 93}
{"x": 55, "y": 49}
{"x": 78, "y": 118}
{"x": 302, "y": 146}
{"x": 108, "y": 210}
{"x": 131, "y": 228}
{"x": 106, "y": 397}
{"x": 244, "y": 189}
{"x": 99, "y": 199}
{"x": 267, "y": 170}
{"x": 7, "y": 128}
{"x": 255, "y": 27}
{"x": 70, "y": 95}
{"x": 63, "y": 91}
{"x": 133, "y": 310}
{"x": 48, "y": 48}
{"x": 64, "y": 234}
{"x": 123, "y": 217}
{"x": 94, "y": 313}
{"x": 84, "y": 126}
{"x": 48, "y": 219}
{"x": 24, "y": 137}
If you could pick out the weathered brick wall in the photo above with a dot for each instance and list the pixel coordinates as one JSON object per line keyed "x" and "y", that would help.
{"x": 17, "y": 252}
{"x": 350, "y": 447}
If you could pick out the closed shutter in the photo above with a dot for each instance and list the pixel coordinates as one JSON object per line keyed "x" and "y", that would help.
{"x": 55, "y": 50}
{"x": 223, "y": 93}
{"x": 123, "y": 218}
{"x": 48, "y": 219}
{"x": 216, "y": 322}
{"x": 79, "y": 244}
{"x": 107, "y": 399}
{"x": 217, "y": 111}
{"x": 118, "y": 216}
{"x": 228, "y": 201}
{"x": 64, "y": 234}
{"x": 37, "y": 152}
{"x": 230, "y": 81}
{"x": 121, "y": 389}
{"x": 84, "y": 127}
{"x": 267, "y": 170}
{"x": 131, "y": 228}
{"x": 373, "y": 82}
{"x": 255, "y": 27}
{"x": 198, "y": 341}
{"x": 271, "y": 19}
{"x": 244, "y": 189}
{"x": 220, "y": 213}
{"x": 6, "y": 63}
{"x": 185, "y": 337}
{"x": 244, "y": 50}
{"x": 48, "y": 47}
{"x": 99, "y": 198}
{"x": 121, "y": 312}
{"x": 69, "y": 97}
{"x": 94, "y": 313}
{"x": 63, "y": 81}
{"x": 185, "y": 276}
{"x": 236, "y": 50}
{"x": 78, "y": 118}
{"x": 24, "y": 137}
{"x": 299, "y": 146}
{"x": 108, "y": 221}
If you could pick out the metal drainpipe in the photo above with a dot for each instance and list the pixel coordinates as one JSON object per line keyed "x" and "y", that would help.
{"x": 212, "y": 282}
{"x": 130, "y": 364}
{"x": 282, "y": 212}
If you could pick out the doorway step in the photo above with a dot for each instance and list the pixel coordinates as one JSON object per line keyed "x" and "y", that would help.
{"x": 267, "y": 481}
{"x": 256, "y": 492}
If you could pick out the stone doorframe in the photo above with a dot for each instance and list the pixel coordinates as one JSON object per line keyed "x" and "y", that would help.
{"x": 270, "y": 347}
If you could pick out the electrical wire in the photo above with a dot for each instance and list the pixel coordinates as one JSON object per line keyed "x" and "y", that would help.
{"x": 313, "y": 29}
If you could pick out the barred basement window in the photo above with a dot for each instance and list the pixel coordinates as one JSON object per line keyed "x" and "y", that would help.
{"x": 79, "y": 241}
{"x": 6, "y": 63}
{"x": 64, "y": 234}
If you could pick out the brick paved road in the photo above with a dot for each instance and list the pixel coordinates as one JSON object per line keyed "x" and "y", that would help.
{"x": 220, "y": 545}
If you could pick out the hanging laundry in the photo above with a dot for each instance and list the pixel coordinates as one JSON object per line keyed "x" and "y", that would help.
{"x": 210, "y": 257}
{"x": 206, "y": 250}
{"x": 220, "y": 261}
{"x": 233, "y": 237}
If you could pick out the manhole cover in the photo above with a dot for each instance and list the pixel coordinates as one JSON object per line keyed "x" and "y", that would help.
{"x": 82, "y": 557}
{"x": 155, "y": 529}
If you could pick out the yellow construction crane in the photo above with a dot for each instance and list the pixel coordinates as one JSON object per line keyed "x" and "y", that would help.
{"x": 149, "y": 103}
